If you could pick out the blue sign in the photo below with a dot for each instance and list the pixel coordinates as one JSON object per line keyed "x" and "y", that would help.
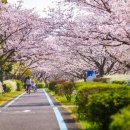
{"x": 90, "y": 75}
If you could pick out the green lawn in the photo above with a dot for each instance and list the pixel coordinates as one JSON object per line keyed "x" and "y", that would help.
{"x": 8, "y": 96}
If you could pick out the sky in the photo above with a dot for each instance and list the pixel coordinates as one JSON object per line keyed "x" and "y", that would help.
{"x": 39, "y": 5}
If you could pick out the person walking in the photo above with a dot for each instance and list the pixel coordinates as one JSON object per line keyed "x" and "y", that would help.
{"x": 34, "y": 86}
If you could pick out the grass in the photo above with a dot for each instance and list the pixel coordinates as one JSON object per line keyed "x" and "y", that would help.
{"x": 62, "y": 98}
{"x": 8, "y": 96}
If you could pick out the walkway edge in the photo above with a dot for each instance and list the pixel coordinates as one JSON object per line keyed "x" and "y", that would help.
{"x": 58, "y": 115}
{"x": 11, "y": 102}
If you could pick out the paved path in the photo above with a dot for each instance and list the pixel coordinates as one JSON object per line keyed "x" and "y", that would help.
{"x": 35, "y": 112}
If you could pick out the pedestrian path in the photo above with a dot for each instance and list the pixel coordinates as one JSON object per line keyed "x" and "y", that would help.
{"x": 32, "y": 112}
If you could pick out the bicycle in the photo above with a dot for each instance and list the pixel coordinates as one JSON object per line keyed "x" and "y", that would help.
{"x": 28, "y": 89}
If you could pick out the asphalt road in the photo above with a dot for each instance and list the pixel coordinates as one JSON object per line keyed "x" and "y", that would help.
{"x": 34, "y": 112}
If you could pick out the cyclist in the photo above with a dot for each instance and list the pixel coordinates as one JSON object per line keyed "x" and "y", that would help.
{"x": 28, "y": 84}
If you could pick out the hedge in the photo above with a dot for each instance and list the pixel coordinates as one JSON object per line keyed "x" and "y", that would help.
{"x": 1, "y": 88}
{"x": 101, "y": 106}
{"x": 20, "y": 85}
{"x": 59, "y": 89}
{"x": 40, "y": 85}
{"x": 54, "y": 82}
{"x": 98, "y": 101}
{"x": 68, "y": 89}
{"x": 11, "y": 85}
{"x": 121, "y": 120}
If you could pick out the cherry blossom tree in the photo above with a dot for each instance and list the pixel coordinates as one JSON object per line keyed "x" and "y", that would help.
{"x": 65, "y": 43}
{"x": 22, "y": 36}
{"x": 111, "y": 26}
{"x": 79, "y": 36}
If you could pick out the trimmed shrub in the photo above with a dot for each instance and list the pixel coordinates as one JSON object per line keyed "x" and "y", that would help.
{"x": 1, "y": 88}
{"x": 5, "y": 89}
{"x": 11, "y": 85}
{"x": 19, "y": 85}
{"x": 118, "y": 82}
{"x": 121, "y": 120}
{"x": 89, "y": 85}
{"x": 68, "y": 89}
{"x": 82, "y": 98}
{"x": 53, "y": 83}
{"x": 62, "y": 88}
{"x": 87, "y": 88}
{"x": 101, "y": 106}
{"x": 40, "y": 85}
{"x": 104, "y": 95}
{"x": 59, "y": 89}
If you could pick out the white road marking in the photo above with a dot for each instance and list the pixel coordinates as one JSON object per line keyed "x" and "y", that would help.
{"x": 26, "y": 110}
{"x": 11, "y": 102}
{"x": 58, "y": 115}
